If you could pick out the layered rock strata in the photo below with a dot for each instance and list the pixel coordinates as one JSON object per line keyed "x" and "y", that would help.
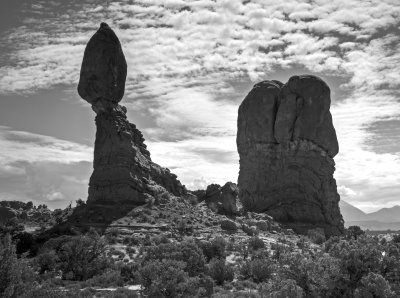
{"x": 286, "y": 143}
{"x": 123, "y": 170}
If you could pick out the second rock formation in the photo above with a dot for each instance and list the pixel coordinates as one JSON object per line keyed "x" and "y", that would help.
{"x": 286, "y": 143}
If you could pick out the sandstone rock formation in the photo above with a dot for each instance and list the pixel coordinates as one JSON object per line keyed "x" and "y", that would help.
{"x": 123, "y": 170}
{"x": 286, "y": 143}
{"x": 223, "y": 199}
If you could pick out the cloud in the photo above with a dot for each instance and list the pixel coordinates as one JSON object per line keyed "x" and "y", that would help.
{"x": 42, "y": 169}
{"x": 26, "y": 146}
{"x": 45, "y": 182}
{"x": 186, "y": 59}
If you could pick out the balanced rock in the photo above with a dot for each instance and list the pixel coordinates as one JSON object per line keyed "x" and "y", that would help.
{"x": 103, "y": 70}
{"x": 123, "y": 170}
{"x": 286, "y": 143}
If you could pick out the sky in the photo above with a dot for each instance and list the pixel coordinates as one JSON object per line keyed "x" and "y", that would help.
{"x": 190, "y": 64}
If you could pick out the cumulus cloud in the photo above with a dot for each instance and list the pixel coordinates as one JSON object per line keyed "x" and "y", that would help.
{"x": 186, "y": 59}
{"x": 42, "y": 169}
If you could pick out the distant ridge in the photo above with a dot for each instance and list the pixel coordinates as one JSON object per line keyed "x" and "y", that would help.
{"x": 383, "y": 219}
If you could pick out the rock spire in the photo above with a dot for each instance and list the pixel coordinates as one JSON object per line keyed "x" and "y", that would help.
{"x": 123, "y": 170}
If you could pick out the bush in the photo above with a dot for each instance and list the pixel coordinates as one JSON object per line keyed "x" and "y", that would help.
{"x": 259, "y": 270}
{"x": 220, "y": 271}
{"x": 130, "y": 272}
{"x": 15, "y": 275}
{"x": 228, "y": 225}
{"x": 278, "y": 288}
{"x": 160, "y": 278}
{"x": 187, "y": 252}
{"x": 256, "y": 243}
{"x": 317, "y": 236}
{"x": 47, "y": 261}
{"x": 83, "y": 257}
{"x": 396, "y": 238}
{"x": 374, "y": 285}
{"x": 24, "y": 242}
{"x": 353, "y": 232}
{"x": 110, "y": 278}
{"x": 214, "y": 248}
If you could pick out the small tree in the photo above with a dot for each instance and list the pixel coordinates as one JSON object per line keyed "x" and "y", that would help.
{"x": 353, "y": 232}
{"x": 374, "y": 286}
{"x": 79, "y": 202}
{"x": 83, "y": 257}
{"x": 14, "y": 274}
{"x": 220, "y": 271}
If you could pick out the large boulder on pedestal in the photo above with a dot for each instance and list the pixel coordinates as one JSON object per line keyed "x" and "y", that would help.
{"x": 123, "y": 172}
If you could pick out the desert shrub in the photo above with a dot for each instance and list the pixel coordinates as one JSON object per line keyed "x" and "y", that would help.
{"x": 259, "y": 270}
{"x": 220, "y": 271}
{"x": 187, "y": 251}
{"x": 55, "y": 243}
{"x": 15, "y": 275}
{"x": 50, "y": 292}
{"x": 353, "y": 232}
{"x": 160, "y": 278}
{"x": 24, "y": 242}
{"x": 324, "y": 277}
{"x": 47, "y": 261}
{"x": 256, "y": 243}
{"x": 184, "y": 227}
{"x": 202, "y": 286}
{"x": 161, "y": 239}
{"x": 83, "y": 257}
{"x": 109, "y": 278}
{"x": 249, "y": 230}
{"x": 279, "y": 250}
{"x": 278, "y": 288}
{"x": 357, "y": 259}
{"x": 228, "y": 225}
{"x": 214, "y": 249}
{"x": 131, "y": 240}
{"x": 331, "y": 242}
{"x": 302, "y": 243}
{"x": 396, "y": 238}
{"x": 374, "y": 286}
{"x": 11, "y": 227}
{"x": 130, "y": 272}
{"x": 79, "y": 203}
{"x": 317, "y": 236}
{"x": 130, "y": 250}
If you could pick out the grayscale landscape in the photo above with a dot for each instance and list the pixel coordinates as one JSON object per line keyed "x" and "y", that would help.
{"x": 199, "y": 148}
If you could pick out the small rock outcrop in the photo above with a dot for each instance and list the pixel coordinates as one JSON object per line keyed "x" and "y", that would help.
{"x": 223, "y": 200}
{"x": 123, "y": 170}
{"x": 286, "y": 143}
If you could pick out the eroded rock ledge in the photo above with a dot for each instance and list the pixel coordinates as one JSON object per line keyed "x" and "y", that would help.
{"x": 286, "y": 143}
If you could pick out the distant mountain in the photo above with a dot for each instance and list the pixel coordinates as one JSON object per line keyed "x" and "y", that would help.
{"x": 386, "y": 214}
{"x": 351, "y": 213}
{"x": 383, "y": 219}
